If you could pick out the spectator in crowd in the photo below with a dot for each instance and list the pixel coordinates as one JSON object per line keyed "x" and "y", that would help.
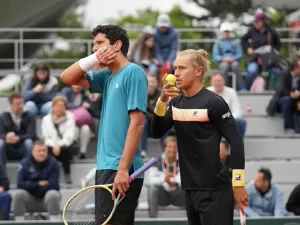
{"x": 265, "y": 198}
{"x": 38, "y": 184}
{"x": 39, "y": 91}
{"x": 5, "y": 198}
{"x": 142, "y": 53}
{"x": 260, "y": 35}
{"x": 286, "y": 96}
{"x": 227, "y": 53}
{"x": 58, "y": 131}
{"x": 153, "y": 95}
{"x": 165, "y": 43}
{"x": 78, "y": 99}
{"x": 293, "y": 203}
{"x": 17, "y": 130}
{"x": 164, "y": 179}
{"x": 231, "y": 98}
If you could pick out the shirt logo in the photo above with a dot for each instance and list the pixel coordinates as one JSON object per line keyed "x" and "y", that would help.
{"x": 195, "y": 113}
{"x": 117, "y": 86}
{"x": 226, "y": 115}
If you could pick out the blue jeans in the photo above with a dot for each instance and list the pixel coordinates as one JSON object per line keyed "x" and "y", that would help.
{"x": 18, "y": 151}
{"x": 5, "y": 201}
{"x": 285, "y": 104}
{"x": 241, "y": 125}
{"x": 144, "y": 140}
{"x": 252, "y": 71}
{"x": 35, "y": 109}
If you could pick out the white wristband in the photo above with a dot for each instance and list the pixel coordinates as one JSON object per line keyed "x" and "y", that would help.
{"x": 88, "y": 62}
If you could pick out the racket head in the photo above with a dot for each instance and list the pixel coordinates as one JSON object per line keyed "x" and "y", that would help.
{"x": 81, "y": 208}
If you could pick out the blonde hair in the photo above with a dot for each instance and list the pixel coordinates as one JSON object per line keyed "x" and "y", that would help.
{"x": 199, "y": 58}
{"x": 169, "y": 139}
{"x": 59, "y": 98}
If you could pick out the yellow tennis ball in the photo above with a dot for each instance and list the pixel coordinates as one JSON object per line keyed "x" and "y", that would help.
{"x": 170, "y": 78}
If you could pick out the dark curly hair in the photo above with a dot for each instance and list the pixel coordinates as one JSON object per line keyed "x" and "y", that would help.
{"x": 114, "y": 33}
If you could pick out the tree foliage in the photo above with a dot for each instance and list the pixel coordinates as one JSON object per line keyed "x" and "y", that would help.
{"x": 220, "y": 8}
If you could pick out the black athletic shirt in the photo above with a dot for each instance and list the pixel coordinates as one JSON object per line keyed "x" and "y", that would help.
{"x": 200, "y": 122}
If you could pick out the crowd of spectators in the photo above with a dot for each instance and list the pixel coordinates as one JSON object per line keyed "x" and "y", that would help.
{"x": 68, "y": 124}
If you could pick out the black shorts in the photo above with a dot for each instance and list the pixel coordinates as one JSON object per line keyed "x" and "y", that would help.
{"x": 210, "y": 207}
{"x": 124, "y": 214}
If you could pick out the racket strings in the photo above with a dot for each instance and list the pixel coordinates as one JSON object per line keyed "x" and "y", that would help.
{"x": 82, "y": 210}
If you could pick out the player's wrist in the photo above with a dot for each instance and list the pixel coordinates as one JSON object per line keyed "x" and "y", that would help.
{"x": 160, "y": 108}
{"x": 89, "y": 62}
{"x": 238, "y": 178}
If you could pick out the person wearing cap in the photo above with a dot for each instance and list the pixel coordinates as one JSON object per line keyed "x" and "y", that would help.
{"x": 260, "y": 35}
{"x": 227, "y": 53}
{"x": 166, "y": 42}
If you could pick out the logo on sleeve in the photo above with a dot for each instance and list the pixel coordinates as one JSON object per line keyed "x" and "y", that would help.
{"x": 226, "y": 115}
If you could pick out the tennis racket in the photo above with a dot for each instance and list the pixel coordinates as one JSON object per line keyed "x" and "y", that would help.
{"x": 242, "y": 218}
{"x": 94, "y": 205}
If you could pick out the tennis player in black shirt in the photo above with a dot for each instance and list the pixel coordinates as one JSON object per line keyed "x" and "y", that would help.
{"x": 201, "y": 118}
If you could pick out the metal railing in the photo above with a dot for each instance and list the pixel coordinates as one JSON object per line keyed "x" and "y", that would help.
{"x": 19, "y": 41}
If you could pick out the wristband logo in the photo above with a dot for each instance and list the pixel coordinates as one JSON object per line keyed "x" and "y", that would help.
{"x": 238, "y": 177}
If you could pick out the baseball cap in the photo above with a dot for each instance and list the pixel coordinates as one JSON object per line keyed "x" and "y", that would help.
{"x": 226, "y": 27}
{"x": 260, "y": 17}
{"x": 163, "y": 20}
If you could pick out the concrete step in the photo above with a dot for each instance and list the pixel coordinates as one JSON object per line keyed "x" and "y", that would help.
{"x": 262, "y": 126}
{"x": 271, "y": 148}
{"x": 283, "y": 171}
{"x": 258, "y": 103}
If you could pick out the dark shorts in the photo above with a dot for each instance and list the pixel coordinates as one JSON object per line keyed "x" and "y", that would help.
{"x": 124, "y": 214}
{"x": 210, "y": 207}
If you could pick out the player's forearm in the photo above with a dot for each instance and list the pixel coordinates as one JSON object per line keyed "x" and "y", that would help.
{"x": 160, "y": 122}
{"x": 75, "y": 73}
{"x": 236, "y": 146}
{"x": 72, "y": 75}
{"x": 133, "y": 139}
{"x": 237, "y": 155}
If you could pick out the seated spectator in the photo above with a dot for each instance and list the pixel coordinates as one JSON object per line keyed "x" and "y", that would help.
{"x": 265, "y": 198}
{"x": 231, "y": 98}
{"x": 153, "y": 95}
{"x": 293, "y": 203}
{"x": 17, "y": 131}
{"x": 38, "y": 184}
{"x": 142, "y": 53}
{"x": 165, "y": 43}
{"x": 78, "y": 99}
{"x": 261, "y": 35}
{"x": 58, "y": 131}
{"x": 286, "y": 97}
{"x": 164, "y": 180}
{"x": 227, "y": 53}
{"x": 39, "y": 91}
{"x": 5, "y": 198}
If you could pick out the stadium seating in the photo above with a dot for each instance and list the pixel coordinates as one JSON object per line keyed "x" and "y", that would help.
{"x": 266, "y": 145}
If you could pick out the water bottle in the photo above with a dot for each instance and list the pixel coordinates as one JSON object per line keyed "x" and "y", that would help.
{"x": 249, "y": 109}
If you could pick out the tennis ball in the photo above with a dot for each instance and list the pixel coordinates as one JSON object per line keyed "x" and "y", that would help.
{"x": 170, "y": 78}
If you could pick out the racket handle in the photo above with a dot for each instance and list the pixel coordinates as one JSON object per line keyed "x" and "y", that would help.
{"x": 141, "y": 170}
{"x": 242, "y": 218}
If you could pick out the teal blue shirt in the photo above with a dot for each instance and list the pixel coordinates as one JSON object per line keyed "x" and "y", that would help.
{"x": 125, "y": 91}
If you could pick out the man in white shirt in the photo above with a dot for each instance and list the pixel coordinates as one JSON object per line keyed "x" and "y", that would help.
{"x": 231, "y": 98}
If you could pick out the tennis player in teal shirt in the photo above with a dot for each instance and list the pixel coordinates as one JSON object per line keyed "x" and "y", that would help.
{"x": 125, "y": 90}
